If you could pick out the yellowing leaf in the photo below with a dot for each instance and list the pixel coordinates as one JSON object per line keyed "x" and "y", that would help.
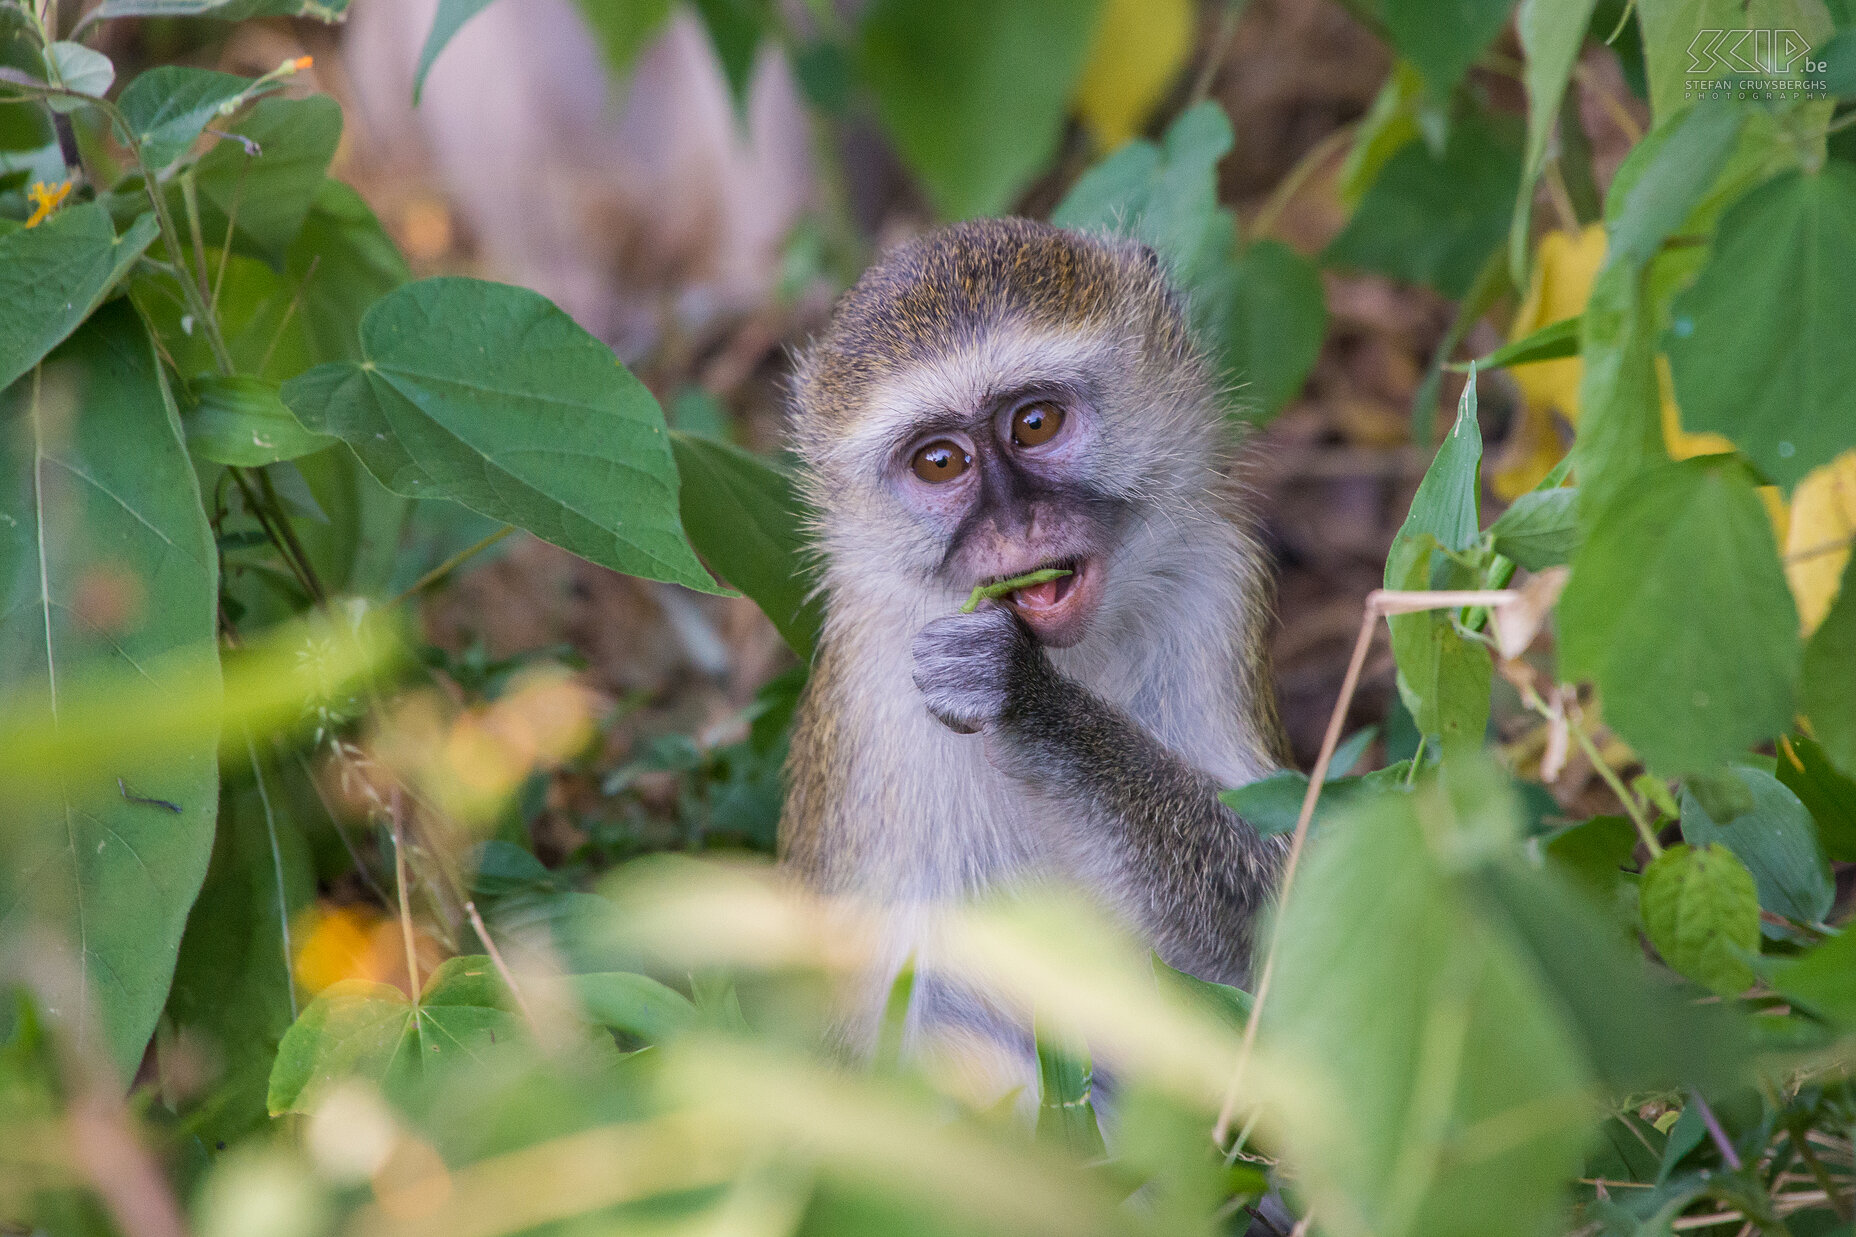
{"x": 1817, "y": 545}
{"x": 1138, "y": 49}
{"x": 1565, "y": 263}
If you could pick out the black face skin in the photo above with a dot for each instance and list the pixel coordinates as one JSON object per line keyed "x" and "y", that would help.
{"x": 1007, "y": 492}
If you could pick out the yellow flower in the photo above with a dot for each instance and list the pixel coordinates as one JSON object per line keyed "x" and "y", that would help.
{"x": 45, "y": 199}
{"x": 1138, "y": 49}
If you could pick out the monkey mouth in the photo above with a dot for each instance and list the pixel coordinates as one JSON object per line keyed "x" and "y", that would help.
{"x": 1058, "y": 611}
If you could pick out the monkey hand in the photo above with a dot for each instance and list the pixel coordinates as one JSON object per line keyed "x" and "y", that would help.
{"x": 968, "y": 666}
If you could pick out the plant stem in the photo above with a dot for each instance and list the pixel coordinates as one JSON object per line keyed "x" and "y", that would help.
{"x": 451, "y": 564}
{"x": 405, "y": 899}
{"x": 1616, "y": 783}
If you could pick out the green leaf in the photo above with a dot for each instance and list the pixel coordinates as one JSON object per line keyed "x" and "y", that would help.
{"x": 1678, "y": 609}
{"x": 624, "y": 30}
{"x": 1672, "y": 27}
{"x": 1777, "y": 841}
{"x": 53, "y": 276}
{"x": 1701, "y": 911}
{"x": 1398, "y": 996}
{"x": 1443, "y": 678}
{"x": 490, "y": 396}
{"x": 743, "y": 516}
{"x": 1540, "y": 529}
{"x": 278, "y": 324}
{"x": 736, "y": 30}
{"x": 1266, "y": 315}
{"x": 1549, "y": 343}
{"x": 1824, "y": 979}
{"x": 1829, "y": 794}
{"x": 370, "y": 1031}
{"x": 1665, "y": 177}
{"x": 973, "y": 92}
{"x": 1444, "y": 41}
{"x": 1757, "y": 345}
{"x": 233, "y": 995}
{"x": 1066, "y": 1113}
{"x": 1435, "y": 221}
{"x": 79, "y": 68}
{"x": 272, "y": 191}
{"x": 1595, "y": 852}
{"x": 1551, "y": 34}
{"x": 1262, "y": 312}
{"x": 1620, "y": 432}
{"x": 1395, "y": 118}
{"x": 635, "y": 1004}
{"x": 446, "y": 21}
{"x": 107, "y": 568}
{"x": 224, "y": 10}
{"x": 239, "y": 420}
{"x": 1272, "y": 803}
{"x": 169, "y": 106}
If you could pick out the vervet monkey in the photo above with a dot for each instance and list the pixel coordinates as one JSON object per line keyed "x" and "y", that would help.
{"x": 994, "y": 398}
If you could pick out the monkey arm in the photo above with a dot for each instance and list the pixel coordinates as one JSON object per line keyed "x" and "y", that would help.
{"x": 1144, "y": 822}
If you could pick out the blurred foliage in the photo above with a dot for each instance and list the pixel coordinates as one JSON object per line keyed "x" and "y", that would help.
{"x": 280, "y": 951}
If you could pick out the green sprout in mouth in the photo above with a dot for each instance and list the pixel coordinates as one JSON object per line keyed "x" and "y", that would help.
{"x": 986, "y": 592}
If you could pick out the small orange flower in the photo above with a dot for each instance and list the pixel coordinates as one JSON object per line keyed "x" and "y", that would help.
{"x": 45, "y": 199}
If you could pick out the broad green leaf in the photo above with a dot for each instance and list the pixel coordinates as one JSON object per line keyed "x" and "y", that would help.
{"x": 1594, "y": 852}
{"x": 169, "y": 106}
{"x": 1701, "y": 911}
{"x": 106, "y": 566}
{"x": 1435, "y": 221}
{"x": 491, "y": 396}
{"x": 272, "y": 191}
{"x": 79, "y": 68}
{"x": 1777, "y": 841}
{"x": 635, "y": 1004}
{"x": 1398, "y": 113}
{"x": 1665, "y": 177}
{"x": 1676, "y": 50}
{"x": 1271, "y": 804}
{"x": 973, "y": 92}
{"x": 1261, "y": 312}
{"x": 1757, "y": 346}
{"x": 1540, "y": 529}
{"x": 624, "y": 30}
{"x": 239, "y": 420}
{"x": 1266, "y": 315}
{"x": 1828, "y": 793}
{"x": 1678, "y": 609}
{"x": 1549, "y": 343}
{"x": 1444, "y": 42}
{"x": 224, "y": 10}
{"x": 1636, "y": 1030}
{"x": 1551, "y": 34}
{"x": 368, "y": 1031}
{"x": 1447, "y": 502}
{"x": 233, "y": 994}
{"x": 446, "y": 21}
{"x": 53, "y": 276}
{"x": 1397, "y": 999}
{"x": 1620, "y": 432}
{"x": 743, "y": 516}
{"x": 1823, "y": 979}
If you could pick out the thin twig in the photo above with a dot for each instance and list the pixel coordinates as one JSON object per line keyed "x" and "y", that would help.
{"x": 399, "y": 879}
{"x": 1721, "y": 1142}
{"x": 451, "y": 564}
{"x": 496, "y": 960}
{"x": 1215, "y": 54}
{"x": 1381, "y": 603}
{"x": 1611, "y": 779}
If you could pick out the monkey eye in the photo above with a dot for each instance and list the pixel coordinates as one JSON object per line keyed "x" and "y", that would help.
{"x": 941, "y": 460}
{"x": 1036, "y": 424}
